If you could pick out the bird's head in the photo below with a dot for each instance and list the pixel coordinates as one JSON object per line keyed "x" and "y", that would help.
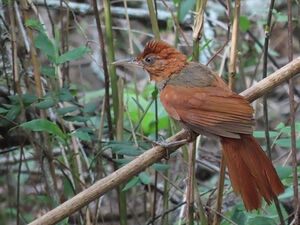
{"x": 160, "y": 59}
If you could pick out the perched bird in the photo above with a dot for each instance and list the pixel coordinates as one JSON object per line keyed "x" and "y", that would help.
{"x": 198, "y": 98}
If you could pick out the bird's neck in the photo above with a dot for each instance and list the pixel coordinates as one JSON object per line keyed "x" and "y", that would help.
{"x": 161, "y": 84}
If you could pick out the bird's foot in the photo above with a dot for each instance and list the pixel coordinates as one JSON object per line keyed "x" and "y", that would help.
{"x": 171, "y": 144}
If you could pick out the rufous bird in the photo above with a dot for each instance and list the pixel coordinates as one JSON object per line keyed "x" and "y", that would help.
{"x": 198, "y": 98}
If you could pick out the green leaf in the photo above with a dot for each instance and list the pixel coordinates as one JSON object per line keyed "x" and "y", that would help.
{"x": 279, "y": 126}
{"x": 238, "y": 215}
{"x": 80, "y": 119}
{"x": 90, "y": 108}
{"x": 261, "y": 220}
{"x": 48, "y": 71}
{"x": 45, "y": 104}
{"x": 2, "y": 110}
{"x": 288, "y": 193}
{"x": 43, "y": 125}
{"x": 284, "y": 171}
{"x": 81, "y": 135}
{"x": 261, "y": 134}
{"x": 73, "y": 54}
{"x": 46, "y": 199}
{"x": 65, "y": 95}
{"x": 138, "y": 104}
{"x": 244, "y": 23}
{"x": 43, "y": 43}
{"x": 131, "y": 183}
{"x": 13, "y": 112}
{"x": 159, "y": 166}
{"x": 125, "y": 148}
{"x": 27, "y": 99}
{"x": 64, "y": 110}
{"x": 123, "y": 161}
{"x": 68, "y": 188}
{"x": 186, "y": 6}
{"x": 34, "y": 23}
{"x": 281, "y": 18}
{"x": 145, "y": 178}
{"x": 287, "y": 143}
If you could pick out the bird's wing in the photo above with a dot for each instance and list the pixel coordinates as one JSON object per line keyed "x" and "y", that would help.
{"x": 212, "y": 110}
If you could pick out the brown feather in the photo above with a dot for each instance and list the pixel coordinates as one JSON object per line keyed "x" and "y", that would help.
{"x": 251, "y": 172}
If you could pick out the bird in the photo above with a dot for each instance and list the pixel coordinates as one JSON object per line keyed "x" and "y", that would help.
{"x": 200, "y": 100}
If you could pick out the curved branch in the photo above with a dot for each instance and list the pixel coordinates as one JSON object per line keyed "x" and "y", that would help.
{"x": 154, "y": 154}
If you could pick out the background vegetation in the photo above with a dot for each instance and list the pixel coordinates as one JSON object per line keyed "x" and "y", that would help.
{"x": 69, "y": 118}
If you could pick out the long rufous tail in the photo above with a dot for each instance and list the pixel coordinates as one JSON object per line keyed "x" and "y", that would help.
{"x": 251, "y": 172}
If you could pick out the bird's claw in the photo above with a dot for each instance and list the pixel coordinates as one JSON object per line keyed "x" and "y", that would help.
{"x": 170, "y": 144}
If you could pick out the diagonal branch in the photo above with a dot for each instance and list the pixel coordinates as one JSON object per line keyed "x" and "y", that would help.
{"x": 154, "y": 154}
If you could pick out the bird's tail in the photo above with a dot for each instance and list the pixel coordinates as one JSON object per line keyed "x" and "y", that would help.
{"x": 251, "y": 172}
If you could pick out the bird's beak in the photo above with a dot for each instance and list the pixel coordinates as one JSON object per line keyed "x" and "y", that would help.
{"x": 131, "y": 62}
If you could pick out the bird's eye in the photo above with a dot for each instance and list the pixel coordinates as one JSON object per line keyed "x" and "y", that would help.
{"x": 149, "y": 60}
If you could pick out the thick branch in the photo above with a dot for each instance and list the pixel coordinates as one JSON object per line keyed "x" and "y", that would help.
{"x": 154, "y": 154}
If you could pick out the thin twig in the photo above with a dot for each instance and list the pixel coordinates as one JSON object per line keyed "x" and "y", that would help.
{"x": 103, "y": 54}
{"x": 292, "y": 115}
{"x": 265, "y": 104}
{"x": 228, "y": 34}
{"x": 18, "y": 185}
{"x": 177, "y": 24}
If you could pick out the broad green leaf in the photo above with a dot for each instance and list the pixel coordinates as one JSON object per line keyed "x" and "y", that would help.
{"x": 64, "y": 110}
{"x": 238, "y": 215}
{"x": 2, "y": 110}
{"x": 80, "y": 119}
{"x": 65, "y": 95}
{"x": 47, "y": 70}
{"x": 43, "y": 43}
{"x": 159, "y": 166}
{"x": 145, "y": 178}
{"x": 90, "y": 108}
{"x": 131, "y": 183}
{"x": 186, "y": 6}
{"x": 287, "y": 143}
{"x": 81, "y": 135}
{"x": 27, "y": 99}
{"x": 45, "y": 104}
{"x": 67, "y": 188}
{"x": 288, "y": 193}
{"x": 46, "y": 199}
{"x": 43, "y": 125}
{"x": 138, "y": 104}
{"x": 34, "y": 23}
{"x": 284, "y": 171}
{"x": 281, "y": 18}
{"x": 244, "y": 23}
{"x": 73, "y": 54}
{"x": 12, "y": 113}
{"x": 261, "y": 220}
{"x": 261, "y": 134}
{"x": 130, "y": 152}
{"x": 123, "y": 161}
{"x": 279, "y": 126}
{"x": 124, "y": 148}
